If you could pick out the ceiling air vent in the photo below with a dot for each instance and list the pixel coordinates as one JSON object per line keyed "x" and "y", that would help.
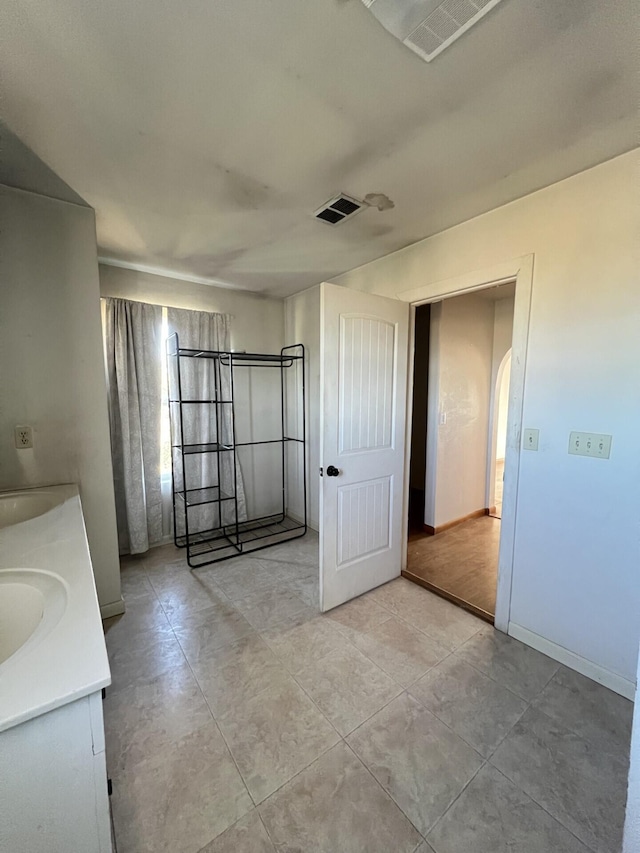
{"x": 339, "y": 208}
{"x": 429, "y": 26}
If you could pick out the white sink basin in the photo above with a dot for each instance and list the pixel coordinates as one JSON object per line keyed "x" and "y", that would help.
{"x": 22, "y": 506}
{"x": 32, "y": 602}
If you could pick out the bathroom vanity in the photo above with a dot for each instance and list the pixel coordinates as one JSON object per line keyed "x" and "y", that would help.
{"x": 53, "y": 666}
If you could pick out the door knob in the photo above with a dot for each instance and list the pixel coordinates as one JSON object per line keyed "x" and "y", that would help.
{"x": 332, "y": 471}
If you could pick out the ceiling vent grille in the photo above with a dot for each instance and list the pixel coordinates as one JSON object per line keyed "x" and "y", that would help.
{"x": 338, "y": 209}
{"x": 428, "y": 27}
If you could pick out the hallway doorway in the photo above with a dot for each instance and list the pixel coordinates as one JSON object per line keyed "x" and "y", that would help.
{"x": 462, "y": 359}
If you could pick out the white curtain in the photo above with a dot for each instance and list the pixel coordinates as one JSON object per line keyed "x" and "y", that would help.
{"x": 132, "y": 333}
{"x": 201, "y": 423}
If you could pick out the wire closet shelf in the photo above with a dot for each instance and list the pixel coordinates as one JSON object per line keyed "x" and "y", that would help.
{"x": 210, "y": 519}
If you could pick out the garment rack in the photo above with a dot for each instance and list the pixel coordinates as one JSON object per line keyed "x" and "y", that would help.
{"x": 228, "y": 536}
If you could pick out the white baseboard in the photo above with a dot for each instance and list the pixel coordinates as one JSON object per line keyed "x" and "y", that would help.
{"x": 113, "y": 609}
{"x": 586, "y": 667}
{"x": 312, "y": 525}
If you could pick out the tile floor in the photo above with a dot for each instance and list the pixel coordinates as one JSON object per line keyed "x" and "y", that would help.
{"x": 242, "y": 721}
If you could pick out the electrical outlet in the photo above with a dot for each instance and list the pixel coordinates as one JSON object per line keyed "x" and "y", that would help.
{"x": 590, "y": 444}
{"x": 23, "y": 436}
{"x": 530, "y": 439}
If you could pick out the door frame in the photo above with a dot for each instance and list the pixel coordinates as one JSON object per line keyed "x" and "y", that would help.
{"x": 519, "y": 270}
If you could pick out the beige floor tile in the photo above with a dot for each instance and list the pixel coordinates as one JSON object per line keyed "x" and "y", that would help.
{"x": 396, "y": 595}
{"x": 143, "y": 623}
{"x": 442, "y": 621}
{"x": 297, "y": 553}
{"x": 204, "y": 630}
{"x": 165, "y": 555}
{"x": 180, "y": 797}
{"x": 494, "y": 816}
{"x": 299, "y": 645}
{"x": 520, "y": 668}
{"x": 275, "y": 735}
{"x": 135, "y": 664}
{"x": 347, "y": 687}
{"x": 141, "y": 721}
{"x": 595, "y": 713}
{"x": 272, "y": 607}
{"x": 190, "y": 594}
{"x": 133, "y": 580}
{"x": 248, "y": 835}
{"x": 132, "y": 561}
{"x": 579, "y": 783}
{"x": 243, "y": 576}
{"x": 416, "y": 758}
{"x": 400, "y": 650}
{"x": 231, "y": 675}
{"x": 475, "y": 707}
{"x": 335, "y": 806}
{"x": 358, "y": 616}
{"x": 163, "y": 575}
{"x": 296, "y": 571}
{"x": 308, "y": 589}
{"x": 177, "y": 787}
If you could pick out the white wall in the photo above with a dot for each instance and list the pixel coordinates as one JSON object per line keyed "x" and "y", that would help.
{"x": 258, "y": 321}
{"x": 257, "y": 325}
{"x": 461, "y": 356}
{"x": 302, "y": 325}
{"x": 632, "y": 822}
{"x": 501, "y": 401}
{"x": 502, "y": 338}
{"x": 53, "y": 371}
{"x": 576, "y": 555}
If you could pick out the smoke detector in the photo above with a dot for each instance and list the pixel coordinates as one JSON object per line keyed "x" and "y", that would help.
{"x": 338, "y": 209}
{"x": 427, "y": 27}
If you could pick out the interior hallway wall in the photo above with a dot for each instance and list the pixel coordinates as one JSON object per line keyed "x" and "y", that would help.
{"x": 577, "y": 548}
{"x": 460, "y": 361}
{"x": 302, "y": 325}
{"x": 257, "y": 325}
{"x": 502, "y": 338}
{"x": 52, "y": 374}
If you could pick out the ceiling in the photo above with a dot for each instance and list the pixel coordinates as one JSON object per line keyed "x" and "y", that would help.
{"x": 206, "y": 134}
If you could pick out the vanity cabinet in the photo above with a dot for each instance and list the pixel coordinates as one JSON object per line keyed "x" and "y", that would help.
{"x": 53, "y": 782}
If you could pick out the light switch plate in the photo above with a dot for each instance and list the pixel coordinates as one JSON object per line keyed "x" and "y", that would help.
{"x": 530, "y": 439}
{"x": 590, "y": 444}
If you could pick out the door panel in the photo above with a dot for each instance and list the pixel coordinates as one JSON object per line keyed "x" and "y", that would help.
{"x": 363, "y": 401}
{"x": 366, "y": 362}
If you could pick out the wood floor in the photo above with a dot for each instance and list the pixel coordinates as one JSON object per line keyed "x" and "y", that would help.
{"x": 461, "y": 564}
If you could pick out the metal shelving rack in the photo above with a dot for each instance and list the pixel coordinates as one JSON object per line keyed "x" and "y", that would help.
{"x": 225, "y": 535}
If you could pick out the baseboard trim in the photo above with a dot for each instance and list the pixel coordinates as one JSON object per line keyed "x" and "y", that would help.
{"x": 591, "y": 670}
{"x": 114, "y": 609}
{"x": 432, "y": 531}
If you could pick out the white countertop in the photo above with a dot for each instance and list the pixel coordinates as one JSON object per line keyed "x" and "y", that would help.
{"x": 71, "y": 661}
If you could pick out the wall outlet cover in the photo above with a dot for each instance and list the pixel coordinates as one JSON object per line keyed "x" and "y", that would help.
{"x": 23, "y": 436}
{"x": 530, "y": 439}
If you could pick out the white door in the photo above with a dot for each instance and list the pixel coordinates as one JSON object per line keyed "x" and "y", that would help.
{"x": 363, "y": 386}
